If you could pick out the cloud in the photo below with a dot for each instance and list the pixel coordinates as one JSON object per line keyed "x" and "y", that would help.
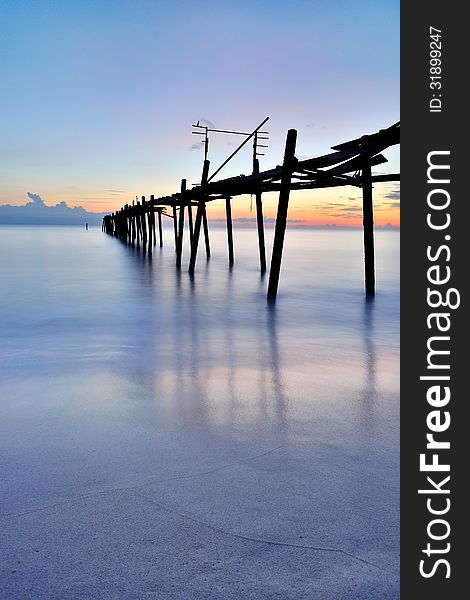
{"x": 380, "y": 205}
{"x": 341, "y": 227}
{"x": 345, "y": 215}
{"x": 37, "y": 212}
{"x": 205, "y": 121}
{"x": 35, "y": 198}
{"x": 389, "y": 227}
{"x": 393, "y": 194}
{"x": 352, "y": 209}
{"x": 196, "y": 146}
{"x": 336, "y": 209}
{"x": 344, "y": 210}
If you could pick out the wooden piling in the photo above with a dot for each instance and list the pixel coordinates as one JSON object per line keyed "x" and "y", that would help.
{"x": 133, "y": 224}
{"x": 179, "y": 248}
{"x": 190, "y": 221}
{"x": 206, "y": 232}
{"x": 368, "y": 224}
{"x": 138, "y": 224}
{"x": 127, "y": 218}
{"x": 197, "y": 225}
{"x": 195, "y": 242}
{"x": 160, "y": 232}
{"x": 175, "y": 227}
{"x": 228, "y": 213}
{"x": 260, "y": 221}
{"x": 144, "y": 225}
{"x": 152, "y": 219}
{"x": 281, "y": 219}
{"x": 149, "y": 223}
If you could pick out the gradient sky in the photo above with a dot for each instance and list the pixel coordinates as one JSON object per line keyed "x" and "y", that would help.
{"x": 98, "y": 97}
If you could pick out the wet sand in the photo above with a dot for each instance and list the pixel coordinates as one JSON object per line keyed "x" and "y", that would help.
{"x": 167, "y": 439}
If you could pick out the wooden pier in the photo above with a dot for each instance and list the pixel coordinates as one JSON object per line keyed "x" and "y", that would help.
{"x": 351, "y": 163}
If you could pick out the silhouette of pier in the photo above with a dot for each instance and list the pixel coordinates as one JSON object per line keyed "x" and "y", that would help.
{"x": 351, "y": 163}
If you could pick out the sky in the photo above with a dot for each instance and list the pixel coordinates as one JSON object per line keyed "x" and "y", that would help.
{"x": 99, "y": 96}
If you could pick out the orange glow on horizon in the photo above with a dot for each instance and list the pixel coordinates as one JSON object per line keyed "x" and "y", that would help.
{"x": 340, "y": 207}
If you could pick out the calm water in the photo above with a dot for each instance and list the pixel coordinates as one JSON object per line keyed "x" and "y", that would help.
{"x": 249, "y": 451}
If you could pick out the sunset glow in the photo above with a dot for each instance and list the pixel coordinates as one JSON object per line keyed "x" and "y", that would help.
{"x": 100, "y": 109}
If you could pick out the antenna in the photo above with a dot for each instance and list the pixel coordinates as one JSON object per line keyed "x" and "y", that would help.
{"x": 249, "y": 136}
{"x": 206, "y": 137}
{"x": 257, "y": 145}
{"x": 256, "y": 133}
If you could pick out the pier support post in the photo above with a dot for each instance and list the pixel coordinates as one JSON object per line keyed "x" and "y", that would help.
{"x": 260, "y": 222}
{"x": 126, "y": 224}
{"x": 281, "y": 219}
{"x": 179, "y": 246}
{"x": 160, "y": 232}
{"x": 206, "y": 232}
{"x": 144, "y": 225}
{"x": 149, "y": 224}
{"x": 228, "y": 212}
{"x": 132, "y": 223}
{"x": 175, "y": 227}
{"x": 127, "y": 221}
{"x": 190, "y": 221}
{"x": 201, "y": 208}
{"x": 139, "y": 228}
{"x": 368, "y": 223}
{"x": 195, "y": 242}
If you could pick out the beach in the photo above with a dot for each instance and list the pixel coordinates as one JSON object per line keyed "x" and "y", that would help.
{"x": 168, "y": 437}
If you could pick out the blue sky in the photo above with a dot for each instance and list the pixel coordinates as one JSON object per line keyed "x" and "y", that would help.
{"x": 100, "y": 96}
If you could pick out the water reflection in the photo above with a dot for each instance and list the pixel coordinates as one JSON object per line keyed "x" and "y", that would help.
{"x": 277, "y": 384}
{"x": 370, "y": 386}
{"x": 213, "y": 346}
{"x": 206, "y": 349}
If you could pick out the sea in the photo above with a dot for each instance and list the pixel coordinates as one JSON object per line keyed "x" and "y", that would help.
{"x": 163, "y": 436}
